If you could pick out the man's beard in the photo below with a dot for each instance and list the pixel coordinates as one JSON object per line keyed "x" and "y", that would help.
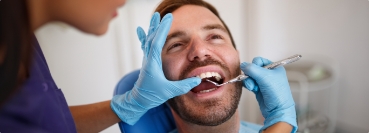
{"x": 217, "y": 112}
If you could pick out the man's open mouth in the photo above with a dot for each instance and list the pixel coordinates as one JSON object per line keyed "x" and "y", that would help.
{"x": 206, "y": 86}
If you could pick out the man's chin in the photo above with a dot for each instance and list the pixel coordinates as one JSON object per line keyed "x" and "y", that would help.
{"x": 209, "y": 112}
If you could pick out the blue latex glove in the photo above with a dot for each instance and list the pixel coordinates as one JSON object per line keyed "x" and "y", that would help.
{"x": 151, "y": 88}
{"x": 272, "y": 92}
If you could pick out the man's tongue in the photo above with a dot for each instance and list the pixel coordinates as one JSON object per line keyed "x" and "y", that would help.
{"x": 205, "y": 85}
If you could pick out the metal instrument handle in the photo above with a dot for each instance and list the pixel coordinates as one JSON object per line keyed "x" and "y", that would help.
{"x": 270, "y": 66}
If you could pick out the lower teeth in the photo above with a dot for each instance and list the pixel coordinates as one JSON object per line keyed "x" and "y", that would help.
{"x": 204, "y": 91}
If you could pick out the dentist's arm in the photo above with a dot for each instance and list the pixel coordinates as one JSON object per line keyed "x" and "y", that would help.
{"x": 272, "y": 93}
{"x": 93, "y": 118}
{"x": 280, "y": 127}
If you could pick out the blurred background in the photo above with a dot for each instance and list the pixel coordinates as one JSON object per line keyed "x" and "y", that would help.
{"x": 329, "y": 83}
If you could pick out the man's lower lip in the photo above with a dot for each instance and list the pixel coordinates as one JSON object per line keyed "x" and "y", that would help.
{"x": 208, "y": 94}
{"x": 206, "y": 91}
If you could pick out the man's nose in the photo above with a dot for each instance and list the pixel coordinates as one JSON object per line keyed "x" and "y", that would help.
{"x": 199, "y": 51}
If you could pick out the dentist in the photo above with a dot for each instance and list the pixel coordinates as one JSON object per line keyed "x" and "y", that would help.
{"x": 31, "y": 102}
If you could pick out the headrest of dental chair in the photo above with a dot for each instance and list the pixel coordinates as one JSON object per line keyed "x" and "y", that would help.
{"x": 156, "y": 120}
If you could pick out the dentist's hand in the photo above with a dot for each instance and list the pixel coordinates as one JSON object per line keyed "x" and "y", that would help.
{"x": 152, "y": 88}
{"x": 272, "y": 92}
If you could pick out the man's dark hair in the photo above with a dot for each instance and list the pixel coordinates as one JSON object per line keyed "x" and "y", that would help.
{"x": 169, "y": 6}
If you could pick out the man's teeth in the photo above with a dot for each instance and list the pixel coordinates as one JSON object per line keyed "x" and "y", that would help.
{"x": 209, "y": 75}
{"x": 204, "y": 91}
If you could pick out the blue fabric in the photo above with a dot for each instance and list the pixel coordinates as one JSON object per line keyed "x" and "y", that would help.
{"x": 155, "y": 120}
{"x": 38, "y": 106}
{"x": 245, "y": 127}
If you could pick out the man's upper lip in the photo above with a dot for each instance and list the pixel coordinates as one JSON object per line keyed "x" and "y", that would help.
{"x": 209, "y": 68}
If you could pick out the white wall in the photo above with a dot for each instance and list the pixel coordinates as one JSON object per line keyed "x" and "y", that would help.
{"x": 87, "y": 68}
{"x": 337, "y": 29}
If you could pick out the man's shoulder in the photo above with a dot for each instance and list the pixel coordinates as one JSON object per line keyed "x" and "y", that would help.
{"x": 248, "y": 127}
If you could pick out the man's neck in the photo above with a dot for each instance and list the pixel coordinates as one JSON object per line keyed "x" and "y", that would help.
{"x": 230, "y": 126}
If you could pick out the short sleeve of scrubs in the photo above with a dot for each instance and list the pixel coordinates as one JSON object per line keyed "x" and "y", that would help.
{"x": 39, "y": 106}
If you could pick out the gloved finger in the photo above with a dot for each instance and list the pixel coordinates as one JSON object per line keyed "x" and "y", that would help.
{"x": 186, "y": 85}
{"x": 160, "y": 36}
{"x": 260, "y": 61}
{"x": 154, "y": 23}
{"x": 142, "y": 37}
{"x": 254, "y": 71}
{"x": 250, "y": 84}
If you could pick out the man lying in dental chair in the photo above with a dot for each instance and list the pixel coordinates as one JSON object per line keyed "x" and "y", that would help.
{"x": 193, "y": 41}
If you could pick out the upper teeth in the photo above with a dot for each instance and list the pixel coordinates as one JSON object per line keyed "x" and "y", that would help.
{"x": 209, "y": 75}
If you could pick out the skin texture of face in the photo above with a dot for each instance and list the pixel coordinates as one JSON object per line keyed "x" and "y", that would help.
{"x": 90, "y": 16}
{"x": 198, "y": 42}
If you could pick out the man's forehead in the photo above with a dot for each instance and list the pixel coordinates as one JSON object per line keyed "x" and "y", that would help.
{"x": 193, "y": 15}
{"x": 189, "y": 19}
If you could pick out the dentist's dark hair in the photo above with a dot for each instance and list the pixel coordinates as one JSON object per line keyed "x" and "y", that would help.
{"x": 169, "y": 6}
{"x": 15, "y": 46}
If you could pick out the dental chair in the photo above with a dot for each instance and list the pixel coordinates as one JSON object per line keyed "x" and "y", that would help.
{"x": 156, "y": 120}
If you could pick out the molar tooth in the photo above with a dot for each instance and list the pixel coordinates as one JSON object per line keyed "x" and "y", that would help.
{"x": 217, "y": 78}
{"x": 218, "y": 75}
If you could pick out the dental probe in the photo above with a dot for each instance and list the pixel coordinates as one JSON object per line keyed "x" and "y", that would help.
{"x": 270, "y": 66}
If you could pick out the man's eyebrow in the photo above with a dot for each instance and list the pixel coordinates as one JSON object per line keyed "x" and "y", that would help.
{"x": 175, "y": 34}
{"x": 214, "y": 26}
{"x": 207, "y": 27}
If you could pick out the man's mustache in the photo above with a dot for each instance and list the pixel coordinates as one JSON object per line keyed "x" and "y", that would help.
{"x": 195, "y": 64}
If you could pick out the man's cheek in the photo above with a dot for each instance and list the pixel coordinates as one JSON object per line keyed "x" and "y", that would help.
{"x": 169, "y": 71}
{"x": 166, "y": 69}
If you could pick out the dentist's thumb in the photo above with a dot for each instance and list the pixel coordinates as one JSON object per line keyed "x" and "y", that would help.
{"x": 186, "y": 85}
